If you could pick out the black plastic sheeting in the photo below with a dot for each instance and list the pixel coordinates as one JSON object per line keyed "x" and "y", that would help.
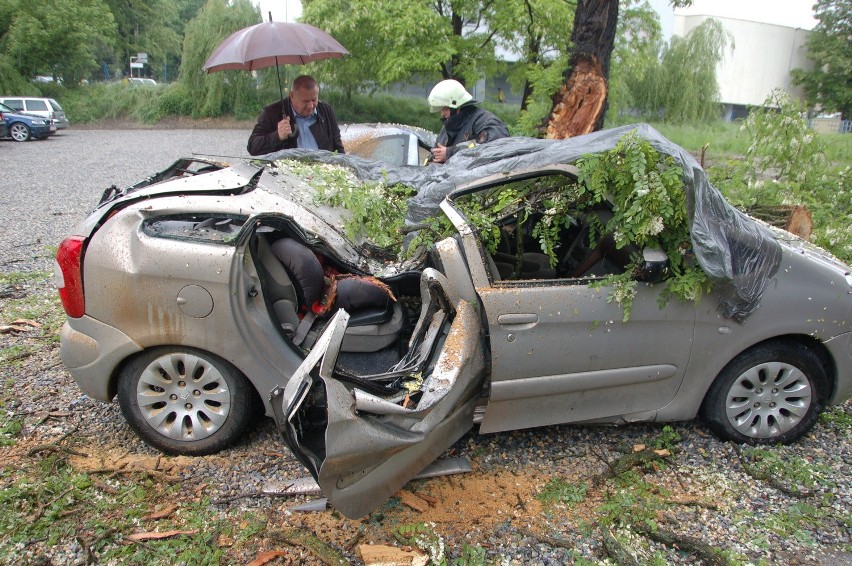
{"x": 738, "y": 254}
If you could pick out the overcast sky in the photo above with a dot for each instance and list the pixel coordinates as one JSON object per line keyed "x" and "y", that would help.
{"x": 282, "y": 10}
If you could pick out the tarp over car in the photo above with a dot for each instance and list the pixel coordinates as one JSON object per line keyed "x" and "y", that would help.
{"x": 738, "y": 254}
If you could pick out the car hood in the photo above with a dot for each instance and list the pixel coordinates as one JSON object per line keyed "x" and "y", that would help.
{"x": 797, "y": 245}
{"x": 26, "y": 115}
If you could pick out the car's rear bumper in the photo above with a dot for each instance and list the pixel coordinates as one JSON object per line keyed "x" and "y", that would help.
{"x": 92, "y": 351}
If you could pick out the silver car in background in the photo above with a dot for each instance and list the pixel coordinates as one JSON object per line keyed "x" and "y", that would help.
{"x": 193, "y": 297}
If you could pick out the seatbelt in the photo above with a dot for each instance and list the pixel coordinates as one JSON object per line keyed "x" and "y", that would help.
{"x": 304, "y": 327}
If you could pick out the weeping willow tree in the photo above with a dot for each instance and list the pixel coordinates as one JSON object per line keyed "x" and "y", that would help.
{"x": 224, "y": 92}
{"x": 684, "y": 86}
{"x": 12, "y": 81}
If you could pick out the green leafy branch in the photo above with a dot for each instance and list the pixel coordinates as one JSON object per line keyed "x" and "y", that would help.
{"x": 649, "y": 210}
{"x": 376, "y": 209}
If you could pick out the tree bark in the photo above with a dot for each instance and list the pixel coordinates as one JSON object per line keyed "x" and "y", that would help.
{"x": 796, "y": 219}
{"x": 580, "y": 105}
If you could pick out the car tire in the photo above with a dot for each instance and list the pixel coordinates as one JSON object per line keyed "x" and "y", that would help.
{"x": 185, "y": 401}
{"x": 770, "y": 394}
{"x": 19, "y": 132}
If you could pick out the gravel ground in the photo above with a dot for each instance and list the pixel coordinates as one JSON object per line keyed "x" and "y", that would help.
{"x": 48, "y": 186}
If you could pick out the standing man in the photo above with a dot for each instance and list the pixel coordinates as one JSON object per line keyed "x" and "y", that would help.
{"x": 300, "y": 120}
{"x": 465, "y": 124}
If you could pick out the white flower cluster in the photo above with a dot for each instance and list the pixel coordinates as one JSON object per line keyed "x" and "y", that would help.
{"x": 432, "y": 544}
{"x": 656, "y": 226}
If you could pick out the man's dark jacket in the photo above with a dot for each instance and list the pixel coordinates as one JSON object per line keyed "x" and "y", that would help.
{"x": 264, "y": 136}
{"x": 470, "y": 125}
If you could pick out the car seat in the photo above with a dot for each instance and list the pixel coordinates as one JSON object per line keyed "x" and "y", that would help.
{"x": 533, "y": 265}
{"x": 375, "y": 316}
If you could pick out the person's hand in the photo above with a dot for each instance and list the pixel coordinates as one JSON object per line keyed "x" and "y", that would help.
{"x": 285, "y": 128}
{"x": 439, "y": 154}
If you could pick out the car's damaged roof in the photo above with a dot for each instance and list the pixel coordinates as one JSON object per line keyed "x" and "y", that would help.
{"x": 737, "y": 253}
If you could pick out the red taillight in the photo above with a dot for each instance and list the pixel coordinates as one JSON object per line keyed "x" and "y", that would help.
{"x": 69, "y": 276}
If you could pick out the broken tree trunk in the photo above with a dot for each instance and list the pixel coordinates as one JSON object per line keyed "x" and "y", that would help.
{"x": 796, "y": 219}
{"x": 580, "y": 104}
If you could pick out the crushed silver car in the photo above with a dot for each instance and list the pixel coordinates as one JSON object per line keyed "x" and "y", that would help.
{"x": 212, "y": 293}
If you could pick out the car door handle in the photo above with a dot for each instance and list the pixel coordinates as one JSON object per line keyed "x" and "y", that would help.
{"x": 516, "y": 319}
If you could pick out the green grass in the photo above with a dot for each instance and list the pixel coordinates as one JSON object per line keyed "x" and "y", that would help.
{"x": 779, "y": 464}
{"x": 44, "y": 499}
{"x": 838, "y": 417}
{"x": 33, "y": 305}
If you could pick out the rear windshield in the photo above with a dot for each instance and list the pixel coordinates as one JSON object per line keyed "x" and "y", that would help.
{"x": 54, "y": 105}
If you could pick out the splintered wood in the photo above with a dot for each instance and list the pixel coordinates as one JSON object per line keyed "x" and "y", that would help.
{"x": 579, "y": 102}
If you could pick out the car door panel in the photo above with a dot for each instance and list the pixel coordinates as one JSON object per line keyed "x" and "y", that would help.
{"x": 567, "y": 336}
{"x": 561, "y": 353}
{"x": 364, "y": 447}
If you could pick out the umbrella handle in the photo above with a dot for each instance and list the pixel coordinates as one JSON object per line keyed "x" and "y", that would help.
{"x": 294, "y": 127}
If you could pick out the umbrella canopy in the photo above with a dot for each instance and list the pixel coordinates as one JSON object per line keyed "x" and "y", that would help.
{"x": 272, "y": 44}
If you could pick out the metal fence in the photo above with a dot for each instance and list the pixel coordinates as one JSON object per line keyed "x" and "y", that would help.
{"x": 831, "y": 125}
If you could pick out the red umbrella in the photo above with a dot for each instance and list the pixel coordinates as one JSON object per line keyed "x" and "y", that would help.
{"x": 273, "y": 43}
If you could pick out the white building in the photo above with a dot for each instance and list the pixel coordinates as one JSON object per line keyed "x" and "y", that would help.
{"x": 769, "y": 42}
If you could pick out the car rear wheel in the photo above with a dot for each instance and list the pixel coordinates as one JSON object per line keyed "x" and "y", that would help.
{"x": 185, "y": 401}
{"x": 770, "y": 394}
{"x": 19, "y": 132}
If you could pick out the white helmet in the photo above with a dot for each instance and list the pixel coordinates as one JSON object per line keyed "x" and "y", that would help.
{"x": 449, "y": 94}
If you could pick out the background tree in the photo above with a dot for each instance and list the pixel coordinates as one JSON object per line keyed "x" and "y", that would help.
{"x": 685, "y": 84}
{"x": 393, "y": 41}
{"x": 55, "y": 37}
{"x": 536, "y": 32}
{"x": 829, "y": 84}
{"x": 579, "y": 105}
{"x": 638, "y": 44}
{"x": 218, "y": 93}
{"x": 150, "y": 27}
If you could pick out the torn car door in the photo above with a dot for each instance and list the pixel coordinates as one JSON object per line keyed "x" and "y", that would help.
{"x": 362, "y": 438}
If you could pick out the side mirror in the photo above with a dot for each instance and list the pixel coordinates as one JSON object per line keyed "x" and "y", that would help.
{"x": 654, "y": 267}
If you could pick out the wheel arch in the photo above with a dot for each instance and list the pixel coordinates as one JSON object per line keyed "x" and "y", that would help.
{"x": 813, "y": 344}
{"x": 689, "y": 402}
{"x": 771, "y": 392}
{"x": 112, "y": 386}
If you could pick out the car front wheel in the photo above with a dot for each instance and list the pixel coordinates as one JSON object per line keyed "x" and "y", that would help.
{"x": 770, "y": 394}
{"x": 19, "y": 132}
{"x": 185, "y": 401}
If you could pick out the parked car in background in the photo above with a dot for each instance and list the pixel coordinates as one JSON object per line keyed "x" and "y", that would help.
{"x": 142, "y": 81}
{"x": 393, "y": 143}
{"x": 22, "y": 126}
{"x": 240, "y": 289}
{"x": 44, "y": 107}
